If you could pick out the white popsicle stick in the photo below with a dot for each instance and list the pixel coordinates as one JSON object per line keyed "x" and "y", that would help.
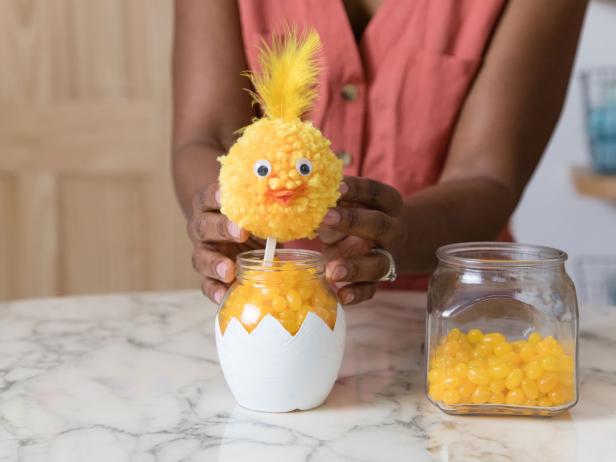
{"x": 270, "y": 249}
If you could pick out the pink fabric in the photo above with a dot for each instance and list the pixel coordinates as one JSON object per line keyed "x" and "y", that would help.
{"x": 413, "y": 68}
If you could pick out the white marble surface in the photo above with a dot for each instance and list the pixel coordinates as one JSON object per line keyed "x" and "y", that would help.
{"x": 135, "y": 378}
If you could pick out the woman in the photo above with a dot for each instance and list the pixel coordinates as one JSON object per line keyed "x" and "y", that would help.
{"x": 440, "y": 110}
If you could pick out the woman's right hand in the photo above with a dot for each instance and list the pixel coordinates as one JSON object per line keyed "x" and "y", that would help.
{"x": 216, "y": 241}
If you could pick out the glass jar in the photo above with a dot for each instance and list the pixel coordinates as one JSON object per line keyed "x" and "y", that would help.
{"x": 280, "y": 332}
{"x": 501, "y": 331}
{"x": 288, "y": 289}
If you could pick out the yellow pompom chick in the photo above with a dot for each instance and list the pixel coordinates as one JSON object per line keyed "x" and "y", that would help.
{"x": 281, "y": 176}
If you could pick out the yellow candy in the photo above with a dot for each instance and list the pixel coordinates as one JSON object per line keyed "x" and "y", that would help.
{"x": 294, "y": 300}
{"x": 279, "y": 304}
{"x": 549, "y": 363}
{"x": 451, "y": 396}
{"x": 479, "y": 376}
{"x": 558, "y": 395}
{"x": 481, "y": 395}
{"x": 528, "y": 352}
{"x": 284, "y": 299}
{"x": 466, "y": 389}
{"x": 461, "y": 370}
{"x": 493, "y": 338}
{"x": 474, "y": 336}
{"x": 474, "y": 368}
{"x": 514, "y": 379}
{"x": 530, "y": 388}
{"x": 502, "y": 349}
{"x": 497, "y": 386}
{"x": 515, "y": 397}
{"x": 500, "y": 370}
{"x": 547, "y": 382}
{"x": 534, "y": 370}
{"x": 435, "y": 375}
{"x": 450, "y": 381}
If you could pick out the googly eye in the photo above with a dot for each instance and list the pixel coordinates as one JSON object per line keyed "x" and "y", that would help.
{"x": 262, "y": 168}
{"x": 303, "y": 167}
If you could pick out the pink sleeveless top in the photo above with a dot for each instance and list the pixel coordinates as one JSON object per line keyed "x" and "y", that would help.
{"x": 388, "y": 104}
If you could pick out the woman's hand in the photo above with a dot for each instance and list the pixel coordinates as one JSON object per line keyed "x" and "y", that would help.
{"x": 368, "y": 216}
{"x": 217, "y": 241}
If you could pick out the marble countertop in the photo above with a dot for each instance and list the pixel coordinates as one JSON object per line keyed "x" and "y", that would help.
{"x": 135, "y": 378}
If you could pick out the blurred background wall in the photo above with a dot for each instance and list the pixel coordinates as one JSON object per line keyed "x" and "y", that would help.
{"x": 552, "y": 211}
{"x": 86, "y": 202}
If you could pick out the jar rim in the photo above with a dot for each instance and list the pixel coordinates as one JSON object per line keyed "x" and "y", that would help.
{"x": 300, "y": 257}
{"x": 503, "y": 255}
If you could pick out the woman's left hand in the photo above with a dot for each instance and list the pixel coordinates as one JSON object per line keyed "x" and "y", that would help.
{"x": 368, "y": 216}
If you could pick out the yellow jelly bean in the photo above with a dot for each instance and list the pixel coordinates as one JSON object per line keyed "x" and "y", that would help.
{"x": 279, "y": 304}
{"x": 451, "y": 396}
{"x": 479, "y": 376}
{"x": 450, "y": 381}
{"x": 528, "y": 352}
{"x": 557, "y": 395}
{"x": 497, "y": 398}
{"x": 461, "y": 370}
{"x": 543, "y": 348}
{"x": 454, "y": 334}
{"x": 435, "y": 375}
{"x": 565, "y": 363}
{"x": 452, "y": 347}
{"x": 515, "y": 397}
{"x": 466, "y": 389}
{"x": 269, "y": 292}
{"x": 436, "y": 392}
{"x": 474, "y": 336}
{"x": 483, "y": 350}
{"x": 548, "y": 382}
{"x": 549, "y": 363}
{"x": 306, "y": 291}
{"x": 530, "y": 402}
{"x": 462, "y": 357}
{"x": 501, "y": 349}
{"x": 534, "y": 338}
{"x": 534, "y": 370}
{"x": 566, "y": 378}
{"x": 497, "y": 386}
{"x": 478, "y": 363}
{"x": 493, "y": 338}
{"x": 544, "y": 401}
{"x": 530, "y": 388}
{"x": 500, "y": 370}
{"x": 512, "y": 358}
{"x": 514, "y": 379}
{"x": 294, "y": 300}
{"x": 481, "y": 395}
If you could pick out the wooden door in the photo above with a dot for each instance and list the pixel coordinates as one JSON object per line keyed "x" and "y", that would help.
{"x": 86, "y": 201}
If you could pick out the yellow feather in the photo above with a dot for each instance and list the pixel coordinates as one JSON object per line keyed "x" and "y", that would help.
{"x": 286, "y": 83}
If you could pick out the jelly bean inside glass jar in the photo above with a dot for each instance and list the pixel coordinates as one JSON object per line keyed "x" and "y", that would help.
{"x": 501, "y": 331}
{"x": 287, "y": 289}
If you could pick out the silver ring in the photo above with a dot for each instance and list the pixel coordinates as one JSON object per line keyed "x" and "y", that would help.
{"x": 391, "y": 274}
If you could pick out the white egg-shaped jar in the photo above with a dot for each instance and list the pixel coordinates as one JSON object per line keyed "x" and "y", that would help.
{"x": 280, "y": 332}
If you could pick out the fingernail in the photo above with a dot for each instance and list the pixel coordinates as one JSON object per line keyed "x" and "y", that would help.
{"x": 344, "y": 188}
{"x": 332, "y": 218}
{"x": 217, "y": 197}
{"x": 221, "y": 269}
{"x": 234, "y": 230}
{"x": 339, "y": 273}
{"x": 348, "y": 298}
{"x": 218, "y": 295}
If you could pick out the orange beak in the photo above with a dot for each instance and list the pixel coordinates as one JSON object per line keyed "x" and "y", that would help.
{"x": 284, "y": 196}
